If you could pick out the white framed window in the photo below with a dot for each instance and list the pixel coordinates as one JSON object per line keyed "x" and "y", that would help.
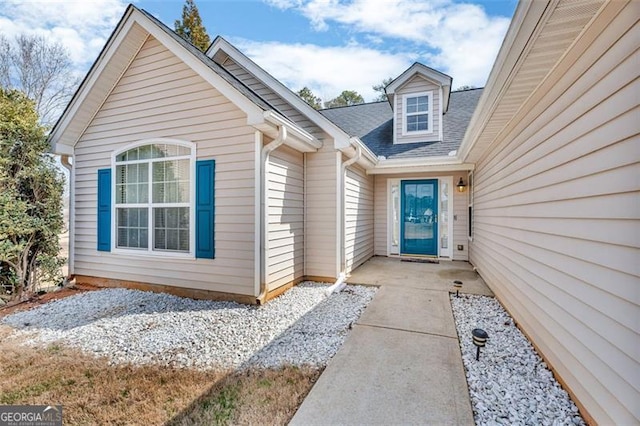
{"x": 153, "y": 192}
{"x": 418, "y": 113}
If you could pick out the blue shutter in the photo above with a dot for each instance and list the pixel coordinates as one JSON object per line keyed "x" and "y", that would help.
{"x": 104, "y": 210}
{"x": 205, "y": 209}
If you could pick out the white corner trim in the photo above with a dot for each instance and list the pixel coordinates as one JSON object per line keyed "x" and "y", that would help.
{"x": 440, "y": 115}
{"x": 396, "y": 117}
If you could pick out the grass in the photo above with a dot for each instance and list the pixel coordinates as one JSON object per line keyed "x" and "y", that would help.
{"x": 94, "y": 392}
{"x": 252, "y": 397}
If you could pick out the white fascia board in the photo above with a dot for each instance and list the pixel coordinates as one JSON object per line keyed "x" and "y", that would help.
{"x": 61, "y": 149}
{"x": 90, "y": 80}
{"x": 423, "y": 70}
{"x": 298, "y": 138}
{"x": 367, "y": 160}
{"x": 526, "y": 19}
{"x": 341, "y": 138}
{"x": 253, "y": 111}
{"x": 425, "y": 164}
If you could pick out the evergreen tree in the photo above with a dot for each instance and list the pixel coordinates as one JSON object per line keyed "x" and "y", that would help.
{"x": 346, "y": 98}
{"x": 309, "y": 97}
{"x": 190, "y": 27}
{"x": 31, "y": 189}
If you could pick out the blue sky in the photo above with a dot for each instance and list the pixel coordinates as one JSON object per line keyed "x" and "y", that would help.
{"x": 327, "y": 45}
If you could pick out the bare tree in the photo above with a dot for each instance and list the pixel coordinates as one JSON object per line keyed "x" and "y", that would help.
{"x": 382, "y": 94}
{"x": 41, "y": 69}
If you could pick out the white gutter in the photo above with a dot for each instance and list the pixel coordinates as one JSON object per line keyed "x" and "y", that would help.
{"x": 64, "y": 160}
{"x": 367, "y": 159}
{"x": 264, "y": 216}
{"x": 306, "y": 141}
{"x": 341, "y": 281}
{"x": 420, "y": 165}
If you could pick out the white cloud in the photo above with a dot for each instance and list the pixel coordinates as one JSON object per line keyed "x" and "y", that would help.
{"x": 459, "y": 39}
{"x": 327, "y": 71}
{"x": 82, "y": 26}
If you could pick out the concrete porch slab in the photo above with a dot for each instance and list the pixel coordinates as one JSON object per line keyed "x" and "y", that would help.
{"x": 394, "y": 272}
{"x": 430, "y": 311}
{"x": 385, "y": 376}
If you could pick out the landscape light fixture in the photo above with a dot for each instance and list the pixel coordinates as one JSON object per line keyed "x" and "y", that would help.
{"x": 458, "y": 285}
{"x": 479, "y": 339}
{"x": 461, "y": 185}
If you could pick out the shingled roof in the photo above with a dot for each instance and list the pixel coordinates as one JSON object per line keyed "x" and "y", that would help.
{"x": 373, "y": 124}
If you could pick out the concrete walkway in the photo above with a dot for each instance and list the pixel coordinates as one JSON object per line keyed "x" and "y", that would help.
{"x": 401, "y": 364}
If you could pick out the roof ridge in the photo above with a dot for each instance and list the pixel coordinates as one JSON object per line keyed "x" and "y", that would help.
{"x": 354, "y": 105}
{"x": 467, "y": 90}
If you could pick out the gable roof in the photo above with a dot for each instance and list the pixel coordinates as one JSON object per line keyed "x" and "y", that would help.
{"x": 342, "y": 139}
{"x": 426, "y": 72}
{"x": 121, "y": 48}
{"x": 221, "y": 71}
{"x": 373, "y": 124}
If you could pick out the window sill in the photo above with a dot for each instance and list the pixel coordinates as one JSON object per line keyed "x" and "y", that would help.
{"x": 418, "y": 133}
{"x": 152, "y": 255}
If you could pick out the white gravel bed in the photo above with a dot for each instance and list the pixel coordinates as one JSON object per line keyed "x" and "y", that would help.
{"x": 301, "y": 327}
{"x": 510, "y": 384}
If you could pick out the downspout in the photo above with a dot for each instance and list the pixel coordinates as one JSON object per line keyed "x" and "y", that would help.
{"x": 64, "y": 160}
{"x": 264, "y": 216}
{"x": 341, "y": 281}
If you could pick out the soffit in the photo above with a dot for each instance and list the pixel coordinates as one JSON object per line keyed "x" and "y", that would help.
{"x": 565, "y": 23}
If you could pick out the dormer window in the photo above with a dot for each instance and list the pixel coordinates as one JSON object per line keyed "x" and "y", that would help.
{"x": 417, "y": 113}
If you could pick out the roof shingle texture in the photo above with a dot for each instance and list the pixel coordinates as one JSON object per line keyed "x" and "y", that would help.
{"x": 373, "y": 124}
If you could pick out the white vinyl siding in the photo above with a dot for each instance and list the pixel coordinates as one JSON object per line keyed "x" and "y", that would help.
{"x": 557, "y": 220}
{"x": 159, "y": 96}
{"x": 460, "y": 212}
{"x": 417, "y": 85}
{"x": 321, "y": 213}
{"x": 286, "y": 217}
{"x": 358, "y": 217}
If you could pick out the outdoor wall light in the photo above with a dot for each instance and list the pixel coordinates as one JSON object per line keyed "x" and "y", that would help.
{"x": 461, "y": 186}
{"x": 479, "y": 339}
{"x": 457, "y": 284}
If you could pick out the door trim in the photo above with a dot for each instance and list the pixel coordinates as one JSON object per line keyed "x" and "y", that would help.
{"x": 442, "y": 253}
{"x": 436, "y": 185}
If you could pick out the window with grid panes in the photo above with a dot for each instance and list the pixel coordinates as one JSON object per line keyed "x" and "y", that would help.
{"x": 153, "y": 198}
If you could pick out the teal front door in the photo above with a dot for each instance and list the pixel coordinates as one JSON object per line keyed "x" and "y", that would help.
{"x": 419, "y": 220}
